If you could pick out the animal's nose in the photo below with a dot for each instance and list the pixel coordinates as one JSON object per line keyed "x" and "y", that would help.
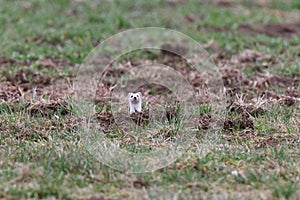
{"x": 134, "y": 98}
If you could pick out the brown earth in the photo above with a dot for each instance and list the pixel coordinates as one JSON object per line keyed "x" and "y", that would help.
{"x": 246, "y": 95}
{"x": 274, "y": 30}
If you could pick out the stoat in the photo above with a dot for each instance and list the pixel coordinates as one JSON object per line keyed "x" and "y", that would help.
{"x": 135, "y": 102}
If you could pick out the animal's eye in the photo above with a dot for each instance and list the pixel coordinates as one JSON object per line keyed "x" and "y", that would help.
{"x": 137, "y": 95}
{"x": 131, "y": 96}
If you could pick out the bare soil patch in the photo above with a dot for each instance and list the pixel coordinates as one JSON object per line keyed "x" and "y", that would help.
{"x": 261, "y": 83}
{"x": 224, "y": 3}
{"x": 241, "y": 122}
{"x": 55, "y": 63}
{"x": 274, "y": 30}
{"x": 26, "y": 79}
{"x": 247, "y": 95}
{"x": 37, "y": 88}
{"x": 5, "y": 62}
{"x": 48, "y": 108}
{"x": 41, "y": 40}
{"x": 48, "y": 62}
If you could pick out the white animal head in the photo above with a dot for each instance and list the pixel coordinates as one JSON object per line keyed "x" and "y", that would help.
{"x": 135, "y": 97}
{"x": 135, "y": 102}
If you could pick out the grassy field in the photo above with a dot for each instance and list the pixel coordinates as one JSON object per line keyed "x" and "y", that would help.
{"x": 256, "y": 46}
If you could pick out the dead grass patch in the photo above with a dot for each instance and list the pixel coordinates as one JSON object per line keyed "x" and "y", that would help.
{"x": 9, "y": 92}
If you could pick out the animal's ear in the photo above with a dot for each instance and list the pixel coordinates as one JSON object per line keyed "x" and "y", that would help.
{"x": 129, "y": 94}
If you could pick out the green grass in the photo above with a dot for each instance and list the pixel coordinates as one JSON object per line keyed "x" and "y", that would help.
{"x": 41, "y": 156}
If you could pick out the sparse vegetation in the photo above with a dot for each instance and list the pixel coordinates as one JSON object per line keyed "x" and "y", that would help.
{"x": 254, "y": 155}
